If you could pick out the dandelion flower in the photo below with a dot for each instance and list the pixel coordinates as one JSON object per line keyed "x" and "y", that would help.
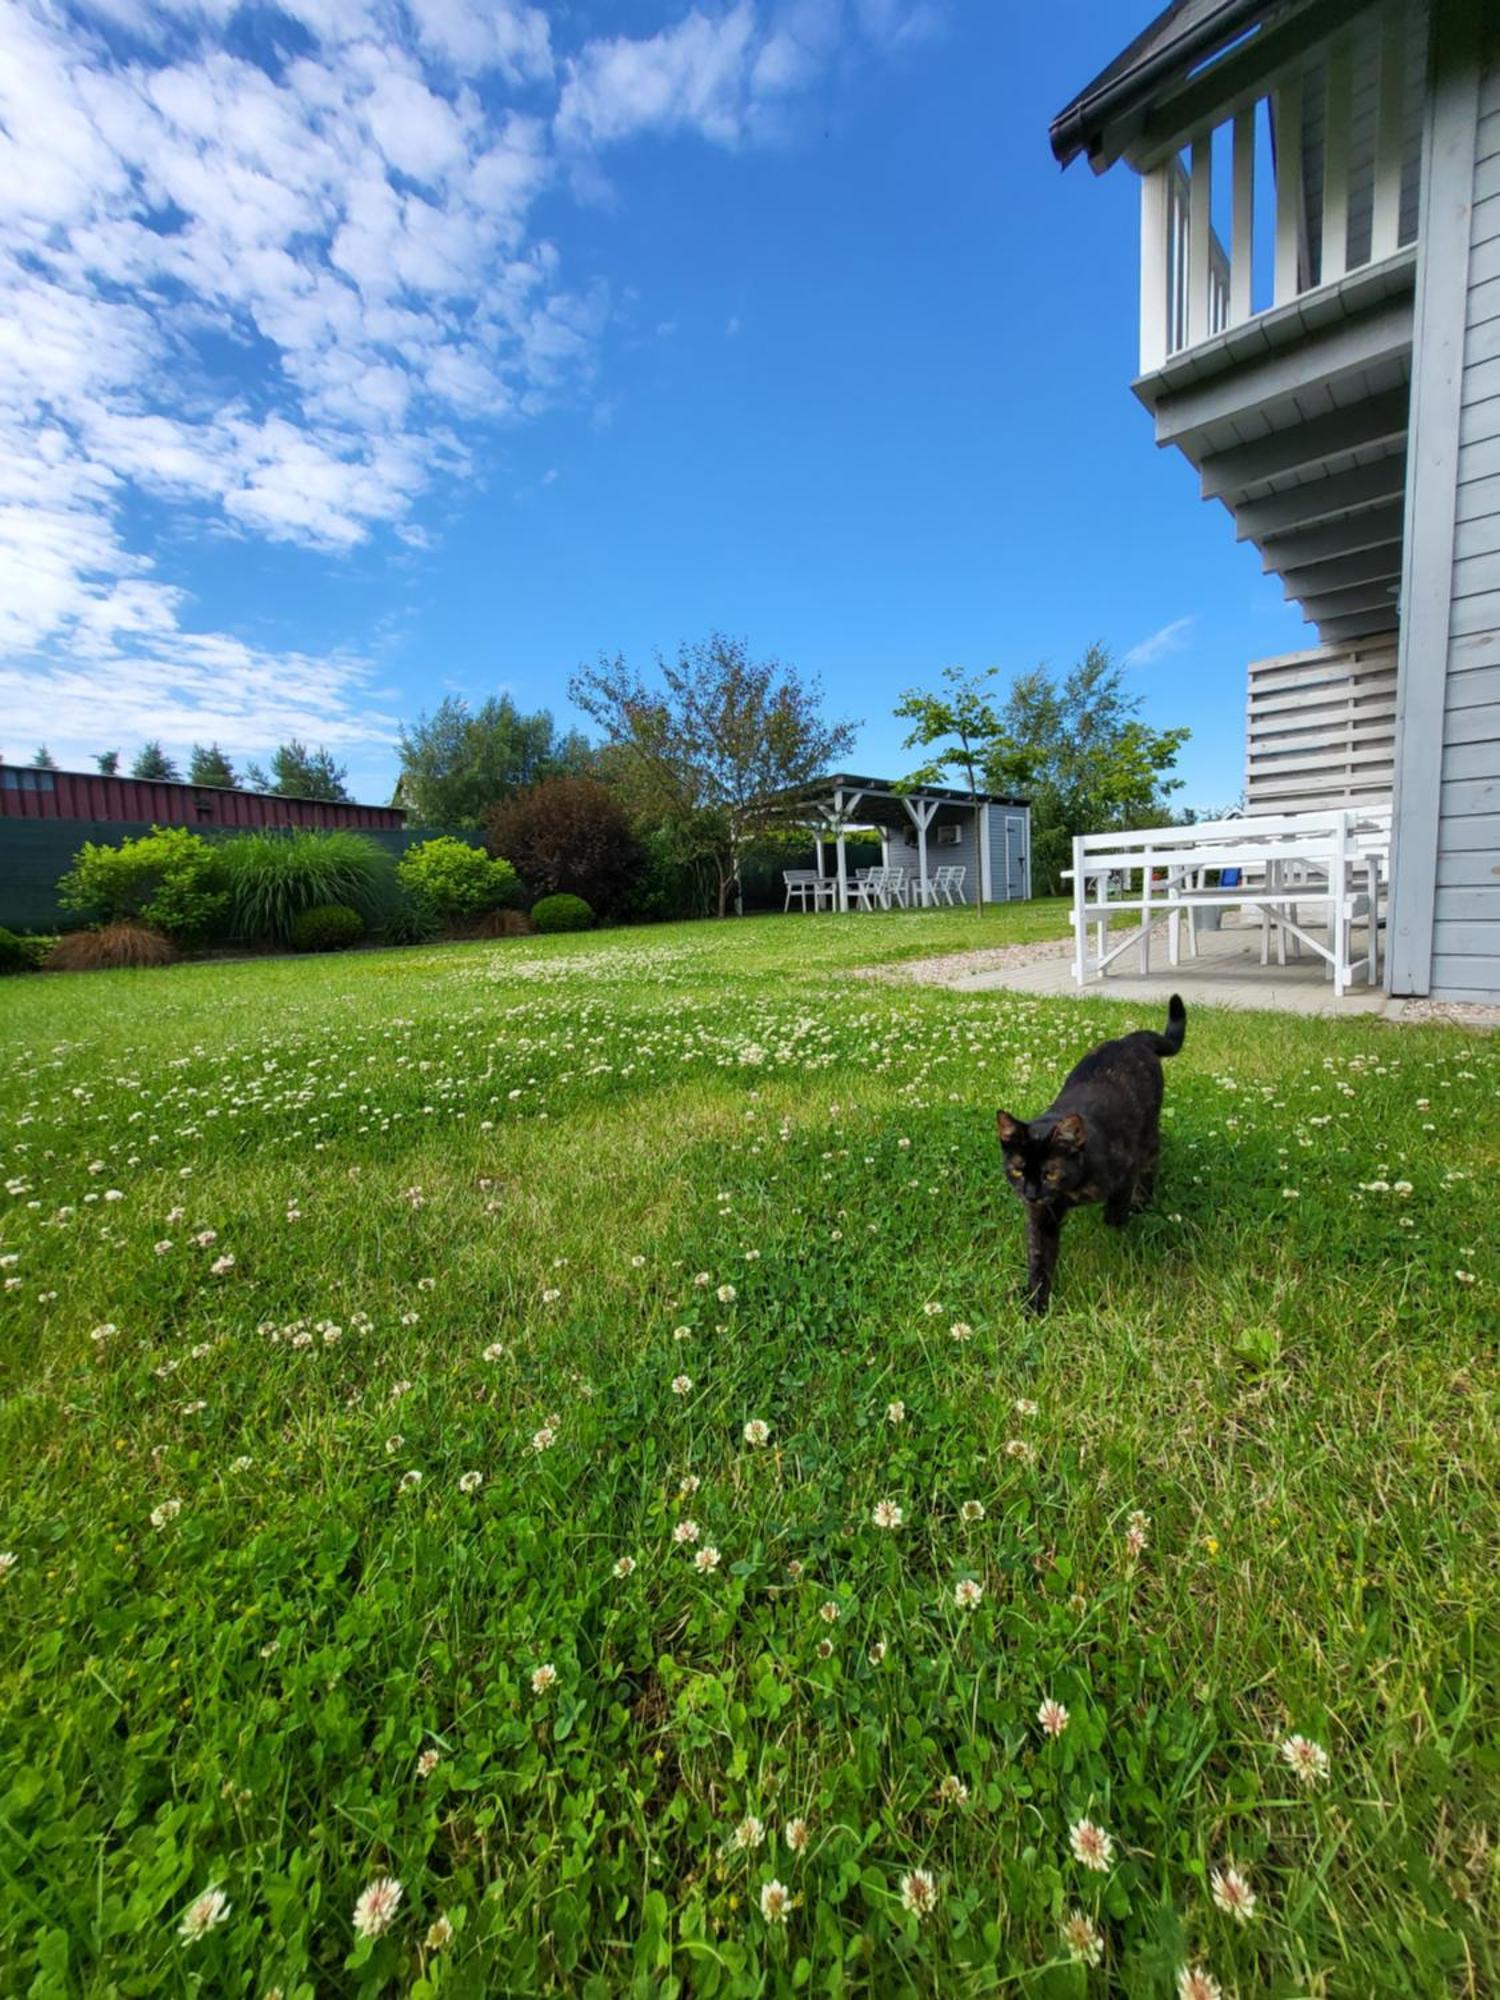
{"x": 1308, "y": 1760}
{"x": 967, "y": 1593}
{"x": 757, "y": 1431}
{"x": 919, "y": 1893}
{"x": 887, "y": 1514}
{"x": 376, "y": 1909}
{"x": 203, "y": 1914}
{"x": 470, "y": 1482}
{"x": 1083, "y": 1938}
{"x": 1091, "y": 1845}
{"x": 1233, "y": 1894}
{"x": 794, "y": 1833}
{"x": 707, "y": 1558}
{"x": 775, "y": 1902}
{"x": 971, "y": 1510}
{"x": 625, "y": 1566}
{"x": 1193, "y": 1983}
{"x": 543, "y": 1678}
{"x": 1053, "y": 1717}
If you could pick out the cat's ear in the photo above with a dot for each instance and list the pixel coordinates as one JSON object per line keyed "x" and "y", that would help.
{"x": 1011, "y": 1130}
{"x": 1068, "y": 1133}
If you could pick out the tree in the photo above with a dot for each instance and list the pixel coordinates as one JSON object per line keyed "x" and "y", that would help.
{"x": 569, "y": 836}
{"x": 959, "y": 726}
{"x": 44, "y": 759}
{"x": 721, "y": 752}
{"x": 299, "y": 773}
{"x": 1087, "y": 764}
{"x": 153, "y": 762}
{"x": 458, "y": 762}
{"x": 108, "y": 762}
{"x": 211, "y": 767}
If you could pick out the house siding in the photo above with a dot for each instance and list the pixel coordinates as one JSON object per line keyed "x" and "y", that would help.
{"x": 1466, "y": 900}
{"x": 1009, "y": 833}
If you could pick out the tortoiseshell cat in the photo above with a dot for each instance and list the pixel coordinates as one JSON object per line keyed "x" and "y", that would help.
{"x": 1097, "y": 1141}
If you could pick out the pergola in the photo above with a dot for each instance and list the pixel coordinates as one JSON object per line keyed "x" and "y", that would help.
{"x": 842, "y": 802}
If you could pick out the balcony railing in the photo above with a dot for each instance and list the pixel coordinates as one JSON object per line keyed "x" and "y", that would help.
{"x": 1287, "y": 188}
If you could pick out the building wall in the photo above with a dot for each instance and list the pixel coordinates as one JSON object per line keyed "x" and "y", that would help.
{"x": 26, "y": 793}
{"x": 1443, "y": 919}
{"x": 1466, "y": 902}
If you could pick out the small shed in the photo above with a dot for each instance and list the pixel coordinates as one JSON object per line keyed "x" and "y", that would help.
{"x": 922, "y": 828}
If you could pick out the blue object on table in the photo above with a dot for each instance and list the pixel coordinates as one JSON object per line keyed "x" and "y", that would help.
{"x": 1229, "y": 878}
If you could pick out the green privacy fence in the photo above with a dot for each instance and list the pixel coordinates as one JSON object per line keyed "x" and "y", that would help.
{"x": 36, "y": 853}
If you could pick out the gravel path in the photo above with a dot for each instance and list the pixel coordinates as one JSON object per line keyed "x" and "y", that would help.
{"x": 956, "y": 965}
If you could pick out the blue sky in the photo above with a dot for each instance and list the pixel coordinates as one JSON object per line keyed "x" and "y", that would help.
{"x": 355, "y": 354}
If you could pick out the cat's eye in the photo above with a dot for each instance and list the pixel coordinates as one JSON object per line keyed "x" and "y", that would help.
{"x": 1052, "y": 1173}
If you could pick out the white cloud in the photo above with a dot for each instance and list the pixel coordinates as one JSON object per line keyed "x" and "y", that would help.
{"x": 283, "y": 295}
{"x": 1170, "y": 639}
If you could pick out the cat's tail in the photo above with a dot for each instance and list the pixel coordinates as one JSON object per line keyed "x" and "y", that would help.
{"x": 1169, "y": 1043}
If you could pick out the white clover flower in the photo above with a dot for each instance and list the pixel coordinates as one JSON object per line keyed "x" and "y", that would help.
{"x": 707, "y": 1557}
{"x": 971, "y": 1510}
{"x": 428, "y": 1762}
{"x": 543, "y": 1677}
{"x": 967, "y": 1593}
{"x": 439, "y": 1934}
{"x": 757, "y": 1432}
{"x": 1053, "y": 1717}
{"x": 1083, "y": 1938}
{"x": 961, "y": 1330}
{"x": 376, "y": 1908}
{"x": 685, "y": 1531}
{"x": 1307, "y": 1760}
{"x": 952, "y": 1791}
{"x": 794, "y": 1833}
{"x": 775, "y": 1902}
{"x": 919, "y": 1893}
{"x": 544, "y": 1439}
{"x": 682, "y": 1385}
{"x": 203, "y": 1914}
{"x": 887, "y": 1514}
{"x": 749, "y": 1833}
{"x": 167, "y": 1511}
{"x": 1233, "y": 1894}
{"x": 470, "y": 1482}
{"x": 625, "y": 1566}
{"x": 8, "y": 1561}
{"x": 830, "y": 1613}
{"x": 726, "y": 1295}
{"x": 221, "y": 1265}
{"x": 1091, "y": 1845}
{"x": 895, "y": 1413}
{"x": 495, "y": 1351}
{"x": 1193, "y": 1983}
{"x": 410, "y": 1481}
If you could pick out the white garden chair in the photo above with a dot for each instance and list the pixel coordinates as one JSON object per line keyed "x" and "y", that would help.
{"x": 804, "y": 883}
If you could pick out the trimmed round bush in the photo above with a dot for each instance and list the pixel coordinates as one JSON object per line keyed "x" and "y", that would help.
{"x": 14, "y": 956}
{"x": 562, "y": 913}
{"x": 327, "y": 927}
{"x": 458, "y": 881}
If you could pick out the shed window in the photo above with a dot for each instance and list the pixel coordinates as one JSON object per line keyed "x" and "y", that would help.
{"x": 17, "y": 780}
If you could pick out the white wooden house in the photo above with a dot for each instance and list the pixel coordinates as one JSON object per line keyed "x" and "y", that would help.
{"x": 1320, "y": 337}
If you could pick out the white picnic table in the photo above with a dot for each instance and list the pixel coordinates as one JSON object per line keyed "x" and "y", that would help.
{"x": 1335, "y": 860}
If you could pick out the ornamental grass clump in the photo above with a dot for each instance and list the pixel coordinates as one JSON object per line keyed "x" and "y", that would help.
{"x": 111, "y": 948}
{"x": 274, "y": 877}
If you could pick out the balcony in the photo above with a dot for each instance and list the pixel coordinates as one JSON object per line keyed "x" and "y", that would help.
{"x": 1279, "y": 204}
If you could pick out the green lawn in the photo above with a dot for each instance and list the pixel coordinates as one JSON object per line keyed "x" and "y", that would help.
{"x": 292, "y": 1247}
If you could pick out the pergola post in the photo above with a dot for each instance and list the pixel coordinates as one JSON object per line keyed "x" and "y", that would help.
{"x": 921, "y": 813}
{"x": 843, "y": 868}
